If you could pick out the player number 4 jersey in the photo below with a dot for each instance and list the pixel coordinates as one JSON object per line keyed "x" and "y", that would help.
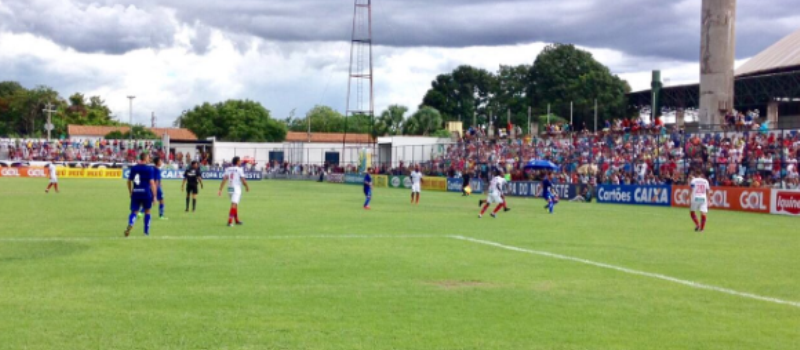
{"x": 700, "y": 188}
{"x": 234, "y": 176}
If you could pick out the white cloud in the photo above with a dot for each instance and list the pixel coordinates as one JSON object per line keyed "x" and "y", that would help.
{"x": 282, "y": 76}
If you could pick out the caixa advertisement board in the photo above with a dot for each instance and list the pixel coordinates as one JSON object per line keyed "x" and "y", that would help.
{"x": 754, "y": 200}
{"x": 635, "y": 195}
{"x": 207, "y": 175}
{"x": 785, "y": 202}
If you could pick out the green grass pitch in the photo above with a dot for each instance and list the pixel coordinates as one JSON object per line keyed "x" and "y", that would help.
{"x": 310, "y": 269}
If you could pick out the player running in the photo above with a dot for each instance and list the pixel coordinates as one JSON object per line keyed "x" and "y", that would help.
{"x": 234, "y": 175}
{"x": 416, "y": 184}
{"x": 495, "y": 191}
{"x": 700, "y": 193}
{"x": 194, "y": 177}
{"x": 367, "y": 189}
{"x": 53, "y": 178}
{"x": 141, "y": 187}
{"x": 548, "y": 194}
{"x": 159, "y": 193}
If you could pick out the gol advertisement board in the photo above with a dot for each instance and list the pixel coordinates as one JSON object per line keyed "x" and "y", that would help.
{"x": 380, "y": 181}
{"x": 68, "y": 173}
{"x": 785, "y": 202}
{"x": 754, "y": 200}
{"x": 434, "y": 184}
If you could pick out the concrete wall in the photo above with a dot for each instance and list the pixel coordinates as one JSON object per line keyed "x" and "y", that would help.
{"x": 293, "y": 152}
{"x": 717, "y": 54}
{"x": 409, "y": 149}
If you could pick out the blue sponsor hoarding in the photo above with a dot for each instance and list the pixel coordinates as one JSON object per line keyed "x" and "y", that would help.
{"x": 637, "y": 195}
{"x": 455, "y": 185}
{"x": 354, "y": 179}
{"x": 207, "y": 175}
{"x": 534, "y": 189}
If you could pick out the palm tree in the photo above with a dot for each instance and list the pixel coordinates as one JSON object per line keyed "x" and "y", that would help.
{"x": 425, "y": 121}
{"x": 391, "y": 120}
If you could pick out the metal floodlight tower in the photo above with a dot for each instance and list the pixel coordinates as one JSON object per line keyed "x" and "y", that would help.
{"x": 360, "y": 99}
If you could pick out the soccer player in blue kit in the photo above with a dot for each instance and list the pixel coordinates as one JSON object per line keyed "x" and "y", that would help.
{"x": 159, "y": 192}
{"x": 367, "y": 188}
{"x": 547, "y": 193}
{"x": 141, "y": 187}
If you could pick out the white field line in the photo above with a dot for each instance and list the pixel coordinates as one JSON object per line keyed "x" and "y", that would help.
{"x": 632, "y": 272}
{"x": 210, "y": 238}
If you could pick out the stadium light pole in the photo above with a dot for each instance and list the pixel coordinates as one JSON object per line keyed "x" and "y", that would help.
{"x": 130, "y": 118}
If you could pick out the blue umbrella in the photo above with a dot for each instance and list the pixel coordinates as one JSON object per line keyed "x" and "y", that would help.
{"x": 541, "y": 165}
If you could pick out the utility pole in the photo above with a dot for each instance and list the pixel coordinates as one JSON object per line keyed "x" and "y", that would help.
{"x": 49, "y": 126}
{"x": 595, "y": 116}
{"x": 130, "y": 117}
{"x": 570, "y": 112}
{"x": 548, "y": 114}
{"x": 530, "y": 110}
{"x": 153, "y": 119}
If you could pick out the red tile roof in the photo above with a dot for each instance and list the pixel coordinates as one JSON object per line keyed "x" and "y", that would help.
{"x": 100, "y": 131}
{"x": 318, "y": 137}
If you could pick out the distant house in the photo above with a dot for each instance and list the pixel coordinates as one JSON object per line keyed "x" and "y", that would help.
{"x": 85, "y": 132}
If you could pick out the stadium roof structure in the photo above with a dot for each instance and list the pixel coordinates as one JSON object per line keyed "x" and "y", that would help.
{"x": 318, "y": 137}
{"x": 772, "y": 74}
{"x": 176, "y": 134}
{"x": 783, "y": 55}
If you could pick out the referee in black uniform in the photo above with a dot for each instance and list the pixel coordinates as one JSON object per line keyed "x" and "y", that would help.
{"x": 194, "y": 177}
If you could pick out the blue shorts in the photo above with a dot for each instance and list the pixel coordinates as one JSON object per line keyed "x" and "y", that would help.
{"x": 159, "y": 194}
{"x": 548, "y": 196}
{"x": 138, "y": 203}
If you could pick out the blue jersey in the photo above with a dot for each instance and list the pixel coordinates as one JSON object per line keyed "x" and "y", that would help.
{"x": 141, "y": 175}
{"x": 157, "y": 177}
{"x": 367, "y": 183}
{"x": 547, "y": 187}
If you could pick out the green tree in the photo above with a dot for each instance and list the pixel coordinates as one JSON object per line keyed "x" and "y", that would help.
{"x": 563, "y": 73}
{"x": 139, "y": 133}
{"x": 425, "y": 121}
{"x": 323, "y": 119}
{"x": 460, "y": 94}
{"x": 233, "y": 120}
{"x": 391, "y": 121}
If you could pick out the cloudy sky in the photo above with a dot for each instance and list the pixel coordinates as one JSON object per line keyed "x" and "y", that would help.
{"x": 292, "y": 55}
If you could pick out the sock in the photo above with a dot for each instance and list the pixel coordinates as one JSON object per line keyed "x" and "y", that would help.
{"x": 194, "y": 204}
{"x": 485, "y": 207}
{"x": 497, "y": 209}
{"x": 161, "y": 210}
{"x": 694, "y": 218}
{"x": 366, "y": 204}
{"x": 551, "y": 205}
{"x": 703, "y": 223}
{"x": 187, "y": 203}
{"x": 236, "y": 214}
{"x": 230, "y": 216}
{"x": 132, "y": 219}
{"x": 147, "y": 224}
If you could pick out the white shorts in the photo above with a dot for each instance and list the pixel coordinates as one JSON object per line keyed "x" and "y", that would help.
{"x": 700, "y": 204}
{"x": 416, "y": 188}
{"x": 236, "y": 196}
{"x": 494, "y": 198}
{"x": 53, "y": 180}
